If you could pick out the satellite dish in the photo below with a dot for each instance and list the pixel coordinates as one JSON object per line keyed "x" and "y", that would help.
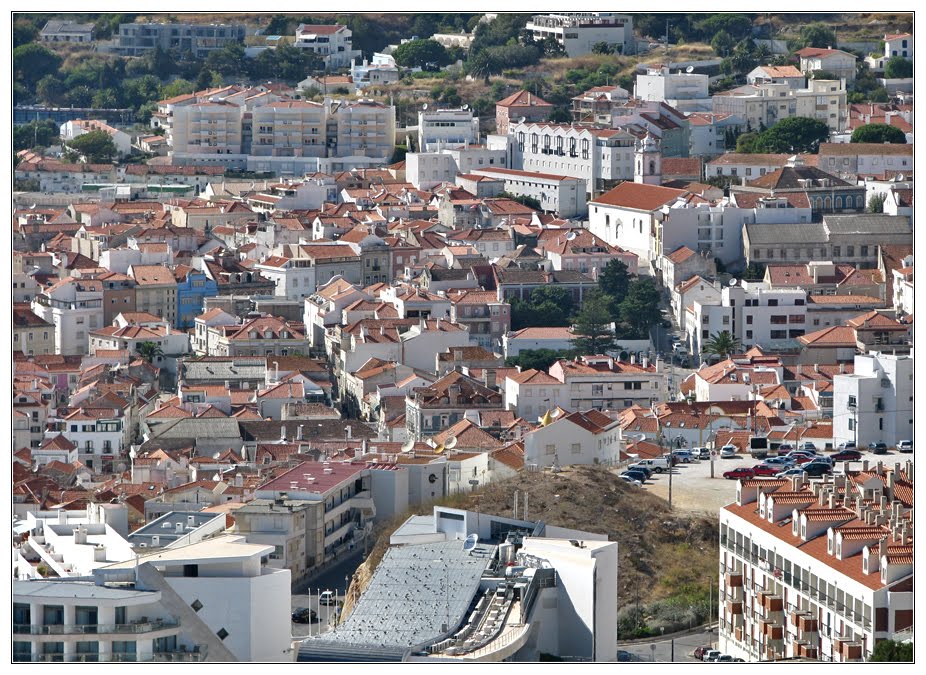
{"x": 470, "y": 542}
{"x": 408, "y": 445}
{"x": 424, "y": 107}
{"x": 450, "y": 443}
{"x": 733, "y": 282}
{"x": 556, "y": 413}
{"x": 522, "y": 120}
{"x": 439, "y": 449}
{"x": 689, "y": 69}
{"x": 392, "y": 219}
{"x": 572, "y": 235}
{"x": 465, "y": 106}
{"x": 900, "y": 177}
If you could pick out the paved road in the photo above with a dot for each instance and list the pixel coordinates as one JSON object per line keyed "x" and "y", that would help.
{"x": 307, "y": 593}
{"x": 663, "y": 652}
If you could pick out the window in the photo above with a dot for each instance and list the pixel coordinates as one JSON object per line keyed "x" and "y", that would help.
{"x": 550, "y": 449}
{"x": 585, "y": 148}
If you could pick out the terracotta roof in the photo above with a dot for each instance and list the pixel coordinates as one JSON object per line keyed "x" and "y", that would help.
{"x": 523, "y": 98}
{"x": 638, "y": 196}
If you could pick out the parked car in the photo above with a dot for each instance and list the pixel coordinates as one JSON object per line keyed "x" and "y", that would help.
{"x": 846, "y": 456}
{"x": 780, "y": 462}
{"x": 641, "y": 467}
{"x": 765, "y": 469}
{"x": 739, "y": 472}
{"x": 711, "y": 655}
{"x": 657, "y": 464}
{"x": 816, "y": 469}
{"x": 304, "y": 615}
{"x": 632, "y": 481}
{"x": 904, "y": 446}
{"x": 728, "y": 452}
{"x": 878, "y": 448}
{"x": 847, "y": 445}
{"x": 635, "y": 475}
{"x": 808, "y": 445}
{"x": 683, "y": 455}
{"x": 723, "y": 658}
{"x": 804, "y": 459}
{"x": 785, "y": 448}
{"x": 787, "y": 473}
{"x": 328, "y": 598}
{"x": 700, "y": 651}
{"x": 624, "y": 655}
{"x": 701, "y": 453}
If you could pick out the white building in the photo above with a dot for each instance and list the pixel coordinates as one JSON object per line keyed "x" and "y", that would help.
{"x": 603, "y": 382}
{"x": 875, "y": 403}
{"x": 767, "y": 103}
{"x": 562, "y": 195}
{"x": 425, "y": 170}
{"x": 76, "y": 128}
{"x": 832, "y": 61}
{"x": 903, "y": 288}
{"x": 821, "y": 572}
{"x": 898, "y": 44}
{"x": 543, "y": 337}
{"x": 707, "y": 132}
{"x": 531, "y": 393}
{"x": 331, "y": 42}
{"x": 578, "y": 32}
{"x": 447, "y": 128}
{"x": 75, "y": 307}
{"x": 210, "y": 601}
{"x": 590, "y": 438}
{"x": 686, "y": 92}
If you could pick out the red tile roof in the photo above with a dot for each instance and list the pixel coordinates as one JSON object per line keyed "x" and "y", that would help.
{"x": 638, "y": 196}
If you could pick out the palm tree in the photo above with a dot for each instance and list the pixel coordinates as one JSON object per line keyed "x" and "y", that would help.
{"x": 723, "y": 344}
{"x": 149, "y": 350}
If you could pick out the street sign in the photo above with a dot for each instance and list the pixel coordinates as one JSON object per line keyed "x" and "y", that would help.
{"x": 713, "y": 453}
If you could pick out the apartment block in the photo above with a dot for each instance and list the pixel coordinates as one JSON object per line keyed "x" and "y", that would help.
{"x": 762, "y": 105}
{"x": 578, "y": 32}
{"x": 137, "y": 39}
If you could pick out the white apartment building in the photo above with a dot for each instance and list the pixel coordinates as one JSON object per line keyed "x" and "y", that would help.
{"x": 686, "y": 293}
{"x": 751, "y": 312}
{"x": 898, "y": 44}
{"x": 531, "y": 393}
{"x": 446, "y": 128}
{"x": 767, "y": 103}
{"x": 875, "y": 403}
{"x": 600, "y": 157}
{"x": 820, "y": 572}
{"x": 211, "y": 127}
{"x": 76, "y": 128}
{"x": 743, "y": 164}
{"x": 851, "y": 159}
{"x": 75, "y": 307}
{"x": 707, "y": 132}
{"x": 288, "y": 129}
{"x": 590, "y": 438}
{"x": 903, "y": 288}
{"x": 835, "y": 61}
{"x": 210, "y": 601}
{"x": 331, "y": 42}
{"x": 578, "y": 32}
{"x": 562, "y": 195}
{"x": 603, "y": 382}
{"x": 426, "y": 170}
{"x": 686, "y": 92}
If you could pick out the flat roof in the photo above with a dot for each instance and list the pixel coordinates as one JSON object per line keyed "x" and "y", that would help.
{"x": 228, "y": 548}
{"x": 315, "y": 477}
{"x": 74, "y": 590}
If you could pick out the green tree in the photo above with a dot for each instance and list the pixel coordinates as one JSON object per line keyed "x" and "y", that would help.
{"x": 176, "y": 88}
{"x": 32, "y": 62}
{"x": 889, "y": 651}
{"x": 602, "y": 48}
{"x": 228, "y": 61}
{"x": 722, "y": 344}
{"x": 96, "y": 146}
{"x": 80, "y": 96}
{"x": 614, "y": 281}
{"x": 532, "y": 202}
{"x": 424, "y": 54}
{"x": 793, "y": 134}
{"x": 51, "y": 91}
{"x": 878, "y": 133}
{"x": 35, "y": 134}
{"x": 738, "y": 26}
{"x": 538, "y": 359}
{"x": 640, "y": 308}
{"x": 898, "y": 67}
{"x": 105, "y": 98}
{"x": 24, "y": 31}
{"x": 149, "y": 351}
{"x": 876, "y": 203}
{"x": 592, "y": 328}
{"x": 483, "y": 64}
{"x": 817, "y": 35}
{"x": 754, "y": 272}
{"x": 747, "y": 142}
{"x": 722, "y": 43}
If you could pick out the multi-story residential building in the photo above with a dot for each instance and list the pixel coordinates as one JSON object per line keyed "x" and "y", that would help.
{"x": 578, "y": 32}
{"x": 846, "y": 239}
{"x": 820, "y": 571}
{"x": 430, "y": 410}
{"x": 262, "y": 335}
{"x": 66, "y": 31}
{"x": 789, "y": 75}
{"x": 875, "y": 402}
{"x": 686, "y": 92}
{"x": 603, "y": 382}
{"x": 589, "y": 437}
{"x": 193, "y": 287}
{"x": 593, "y": 106}
{"x": 288, "y": 129}
{"x": 31, "y": 333}
{"x": 531, "y": 393}
{"x": 709, "y": 134}
{"x": 75, "y": 307}
{"x": 521, "y": 106}
{"x": 99, "y": 434}
{"x": 155, "y": 291}
{"x": 330, "y": 42}
{"x": 601, "y": 157}
{"x": 581, "y": 251}
{"x": 762, "y": 105}
{"x": 203, "y": 340}
{"x": 362, "y": 128}
{"x": 118, "y": 295}
{"x": 751, "y": 312}
{"x": 827, "y": 61}
{"x": 484, "y": 316}
{"x": 447, "y": 127}
{"x": 848, "y": 160}
{"x": 299, "y": 275}
{"x": 897, "y": 44}
{"x": 903, "y": 288}
{"x": 137, "y": 39}
{"x": 562, "y": 195}
{"x": 209, "y": 601}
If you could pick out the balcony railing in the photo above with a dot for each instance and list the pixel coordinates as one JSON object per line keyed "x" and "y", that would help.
{"x": 95, "y": 629}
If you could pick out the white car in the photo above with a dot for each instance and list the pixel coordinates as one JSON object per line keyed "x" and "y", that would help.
{"x": 728, "y": 452}
{"x": 904, "y": 446}
{"x": 632, "y": 481}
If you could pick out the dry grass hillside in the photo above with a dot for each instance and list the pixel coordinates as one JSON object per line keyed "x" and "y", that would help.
{"x": 661, "y": 552}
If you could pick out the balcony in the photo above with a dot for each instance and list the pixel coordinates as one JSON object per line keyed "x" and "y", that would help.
{"x": 95, "y": 629}
{"x": 734, "y": 608}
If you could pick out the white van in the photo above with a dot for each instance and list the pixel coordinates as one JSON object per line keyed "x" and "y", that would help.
{"x": 657, "y": 464}
{"x": 327, "y": 598}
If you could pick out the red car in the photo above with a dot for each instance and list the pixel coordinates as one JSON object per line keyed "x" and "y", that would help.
{"x": 741, "y": 472}
{"x": 803, "y": 459}
{"x": 765, "y": 470}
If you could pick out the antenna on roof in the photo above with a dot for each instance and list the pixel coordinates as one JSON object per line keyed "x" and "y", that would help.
{"x": 733, "y": 282}
{"x": 572, "y": 235}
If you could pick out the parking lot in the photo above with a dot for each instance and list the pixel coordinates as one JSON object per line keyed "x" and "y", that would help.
{"x": 694, "y": 490}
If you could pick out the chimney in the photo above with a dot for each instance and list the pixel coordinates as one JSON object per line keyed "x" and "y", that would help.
{"x": 799, "y": 368}
{"x": 347, "y": 432}
{"x": 282, "y": 432}
{"x": 299, "y": 433}
{"x": 816, "y": 367}
{"x": 842, "y": 368}
{"x": 457, "y": 354}
{"x": 831, "y": 501}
